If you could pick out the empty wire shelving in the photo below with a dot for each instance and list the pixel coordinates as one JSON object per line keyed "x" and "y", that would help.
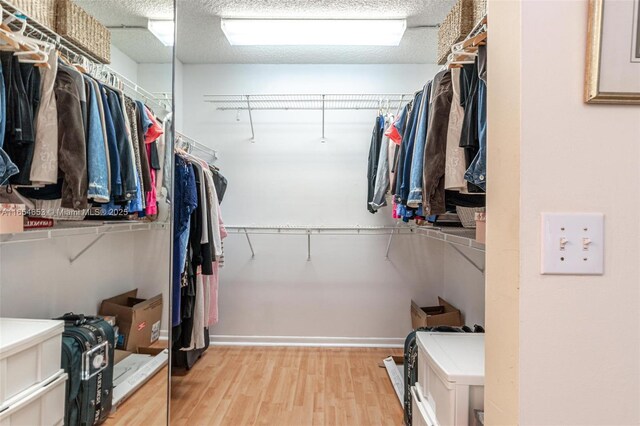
{"x": 308, "y": 102}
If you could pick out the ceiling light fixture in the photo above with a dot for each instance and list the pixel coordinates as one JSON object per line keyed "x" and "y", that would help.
{"x": 318, "y": 32}
{"x": 163, "y": 30}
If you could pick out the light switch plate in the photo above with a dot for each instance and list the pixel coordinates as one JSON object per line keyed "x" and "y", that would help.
{"x": 573, "y": 243}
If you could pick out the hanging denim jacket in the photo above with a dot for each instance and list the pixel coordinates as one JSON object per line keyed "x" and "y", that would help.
{"x": 415, "y": 194}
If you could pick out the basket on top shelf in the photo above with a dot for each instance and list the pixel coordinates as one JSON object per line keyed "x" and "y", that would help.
{"x": 83, "y": 30}
{"x": 41, "y": 11}
{"x": 464, "y": 15}
{"x": 467, "y": 215}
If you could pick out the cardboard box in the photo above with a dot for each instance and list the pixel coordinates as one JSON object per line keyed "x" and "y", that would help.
{"x": 481, "y": 227}
{"x": 432, "y": 316}
{"x": 11, "y": 218}
{"x": 138, "y": 320}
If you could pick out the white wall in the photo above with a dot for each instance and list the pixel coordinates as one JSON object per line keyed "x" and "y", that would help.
{"x": 287, "y": 177}
{"x": 37, "y": 280}
{"x": 463, "y": 284}
{"x": 579, "y": 336}
{"x": 123, "y": 64}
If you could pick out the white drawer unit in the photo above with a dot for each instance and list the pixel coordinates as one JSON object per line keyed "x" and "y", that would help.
{"x": 30, "y": 353}
{"x": 43, "y": 407}
{"x": 451, "y": 375}
{"x": 422, "y": 414}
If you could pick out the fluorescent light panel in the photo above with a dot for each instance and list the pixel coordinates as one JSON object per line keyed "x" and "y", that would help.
{"x": 163, "y": 29}
{"x": 316, "y": 32}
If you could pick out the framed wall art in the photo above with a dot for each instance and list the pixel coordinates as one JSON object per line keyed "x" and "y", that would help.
{"x": 613, "y": 52}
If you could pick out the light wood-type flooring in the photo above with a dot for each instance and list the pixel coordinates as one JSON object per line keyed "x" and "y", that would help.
{"x": 276, "y": 386}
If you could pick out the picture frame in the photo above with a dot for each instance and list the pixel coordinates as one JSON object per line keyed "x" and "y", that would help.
{"x": 613, "y": 52}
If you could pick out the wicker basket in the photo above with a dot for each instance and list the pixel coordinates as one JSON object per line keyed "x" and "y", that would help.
{"x": 479, "y": 10}
{"x": 41, "y": 11}
{"x": 467, "y": 215}
{"x": 455, "y": 27}
{"x": 83, "y": 30}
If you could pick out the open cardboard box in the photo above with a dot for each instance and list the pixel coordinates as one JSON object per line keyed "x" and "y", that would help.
{"x": 433, "y": 316}
{"x": 138, "y": 320}
{"x": 120, "y": 354}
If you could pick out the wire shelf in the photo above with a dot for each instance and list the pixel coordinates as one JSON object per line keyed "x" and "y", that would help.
{"x": 194, "y": 147}
{"x": 325, "y": 102}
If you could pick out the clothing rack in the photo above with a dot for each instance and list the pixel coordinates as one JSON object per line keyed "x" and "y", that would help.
{"x": 308, "y": 102}
{"x": 456, "y": 237}
{"x": 194, "y": 147}
{"x": 89, "y": 61}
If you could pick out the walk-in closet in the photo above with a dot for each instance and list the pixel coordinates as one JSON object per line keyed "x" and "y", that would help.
{"x": 354, "y": 212}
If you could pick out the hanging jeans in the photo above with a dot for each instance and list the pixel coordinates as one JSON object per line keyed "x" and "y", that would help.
{"x": 186, "y": 200}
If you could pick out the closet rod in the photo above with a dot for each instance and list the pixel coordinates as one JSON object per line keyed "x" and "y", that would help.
{"x": 72, "y": 52}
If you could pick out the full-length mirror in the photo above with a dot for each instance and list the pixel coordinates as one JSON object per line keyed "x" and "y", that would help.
{"x": 85, "y": 128}
{"x": 315, "y": 220}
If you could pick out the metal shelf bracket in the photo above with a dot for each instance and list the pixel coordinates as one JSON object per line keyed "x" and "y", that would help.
{"x": 467, "y": 258}
{"x": 253, "y": 133}
{"x": 253, "y": 253}
{"x": 323, "y": 140}
{"x": 91, "y": 244}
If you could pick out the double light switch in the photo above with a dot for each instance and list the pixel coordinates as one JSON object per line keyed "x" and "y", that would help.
{"x": 573, "y": 243}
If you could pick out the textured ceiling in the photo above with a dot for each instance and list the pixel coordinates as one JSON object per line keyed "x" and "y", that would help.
{"x": 200, "y": 39}
{"x": 138, "y": 44}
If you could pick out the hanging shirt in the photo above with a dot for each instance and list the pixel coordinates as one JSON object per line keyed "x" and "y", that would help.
{"x": 382, "y": 175}
{"x": 374, "y": 156}
{"x": 455, "y": 165}
{"x": 154, "y": 131}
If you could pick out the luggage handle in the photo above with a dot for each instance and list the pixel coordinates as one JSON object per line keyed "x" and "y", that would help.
{"x": 95, "y": 360}
{"x": 77, "y": 319}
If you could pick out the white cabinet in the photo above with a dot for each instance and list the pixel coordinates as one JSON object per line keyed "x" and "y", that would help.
{"x": 450, "y": 376}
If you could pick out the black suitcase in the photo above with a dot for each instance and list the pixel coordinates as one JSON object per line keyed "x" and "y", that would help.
{"x": 87, "y": 357}
{"x": 411, "y": 362}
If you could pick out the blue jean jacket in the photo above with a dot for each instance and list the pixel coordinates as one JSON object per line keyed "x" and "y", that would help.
{"x": 477, "y": 171}
{"x": 415, "y": 195}
{"x": 97, "y": 165}
{"x": 114, "y": 154}
{"x": 410, "y": 138}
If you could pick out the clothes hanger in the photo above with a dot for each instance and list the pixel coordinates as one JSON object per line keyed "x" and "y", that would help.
{"x": 31, "y": 51}
{"x": 6, "y": 35}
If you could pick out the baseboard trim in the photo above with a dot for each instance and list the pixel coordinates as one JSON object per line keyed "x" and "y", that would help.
{"x": 302, "y": 341}
{"x": 308, "y": 341}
